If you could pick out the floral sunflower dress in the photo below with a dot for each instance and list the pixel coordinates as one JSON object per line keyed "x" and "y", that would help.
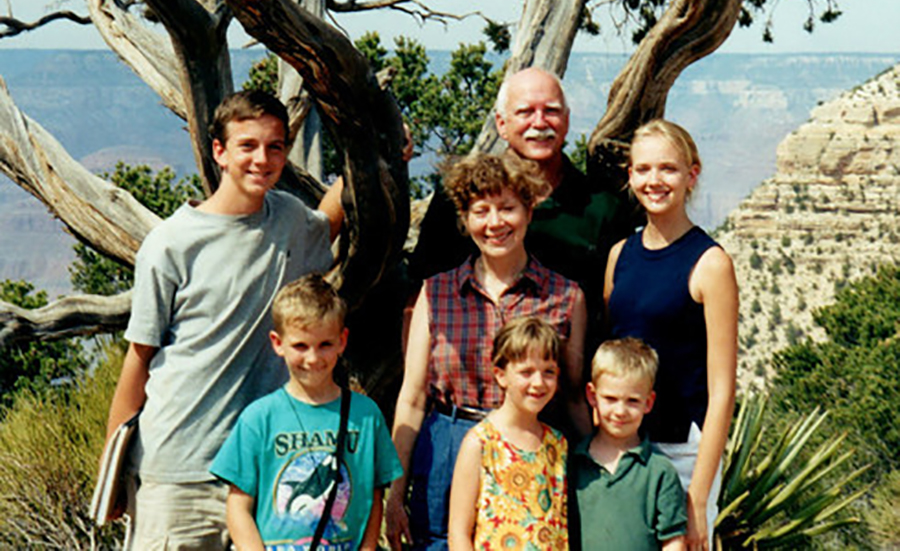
{"x": 522, "y": 499}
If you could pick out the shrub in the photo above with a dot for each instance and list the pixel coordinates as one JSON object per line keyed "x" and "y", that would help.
{"x": 34, "y": 366}
{"x": 756, "y": 261}
{"x": 884, "y": 516}
{"x": 782, "y": 496}
{"x": 856, "y": 372}
{"x": 50, "y": 443}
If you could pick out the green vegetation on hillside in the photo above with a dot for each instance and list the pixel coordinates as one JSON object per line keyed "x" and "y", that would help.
{"x": 855, "y": 375}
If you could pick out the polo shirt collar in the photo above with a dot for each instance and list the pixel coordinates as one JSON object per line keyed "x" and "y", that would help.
{"x": 641, "y": 452}
{"x": 534, "y": 277}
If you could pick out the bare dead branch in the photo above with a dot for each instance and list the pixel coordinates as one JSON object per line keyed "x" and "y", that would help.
{"x": 68, "y": 317}
{"x": 150, "y": 55}
{"x": 415, "y": 8}
{"x": 94, "y": 210}
{"x": 15, "y": 26}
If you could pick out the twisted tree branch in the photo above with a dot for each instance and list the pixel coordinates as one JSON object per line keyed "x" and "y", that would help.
{"x": 93, "y": 210}
{"x": 16, "y": 26}
{"x": 150, "y": 55}
{"x": 689, "y": 30}
{"x": 418, "y": 9}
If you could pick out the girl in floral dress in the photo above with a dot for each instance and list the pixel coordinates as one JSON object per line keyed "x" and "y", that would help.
{"x": 509, "y": 485}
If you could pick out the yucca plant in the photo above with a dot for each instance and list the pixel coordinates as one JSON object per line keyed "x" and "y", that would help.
{"x": 781, "y": 498}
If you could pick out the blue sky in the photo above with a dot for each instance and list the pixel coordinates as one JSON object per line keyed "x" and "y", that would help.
{"x": 872, "y": 28}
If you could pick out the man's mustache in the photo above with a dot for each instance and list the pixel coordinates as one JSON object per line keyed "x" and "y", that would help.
{"x": 539, "y": 134}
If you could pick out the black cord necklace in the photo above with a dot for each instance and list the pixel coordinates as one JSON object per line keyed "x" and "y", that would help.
{"x": 290, "y": 400}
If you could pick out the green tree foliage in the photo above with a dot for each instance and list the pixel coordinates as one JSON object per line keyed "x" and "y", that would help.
{"x": 49, "y": 448}
{"x": 370, "y": 46}
{"x": 34, "y": 366}
{"x": 855, "y": 371}
{"x": 94, "y": 273}
{"x": 756, "y": 261}
{"x": 455, "y": 108}
{"x": 579, "y": 154}
{"x": 263, "y": 75}
{"x": 498, "y": 34}
{"x": 445, "y": 112}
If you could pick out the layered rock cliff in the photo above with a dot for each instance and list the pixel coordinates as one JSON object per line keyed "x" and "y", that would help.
{"x": 830, "y": 214}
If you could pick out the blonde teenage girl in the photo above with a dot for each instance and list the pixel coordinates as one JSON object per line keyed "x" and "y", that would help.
{"x": 672, "y": 286}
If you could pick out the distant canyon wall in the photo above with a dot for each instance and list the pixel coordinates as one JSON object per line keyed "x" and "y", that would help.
{"x": 830, "y": 214}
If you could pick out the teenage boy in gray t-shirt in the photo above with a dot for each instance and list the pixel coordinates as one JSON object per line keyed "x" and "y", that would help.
{"x": 199, "y": 348}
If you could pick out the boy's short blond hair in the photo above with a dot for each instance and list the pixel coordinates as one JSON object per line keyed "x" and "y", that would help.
{"x": 627, "y": 357}
{"x": 523, "y": 335}
{"x": 481, "y": 175}
{"x": 306, "y": 302}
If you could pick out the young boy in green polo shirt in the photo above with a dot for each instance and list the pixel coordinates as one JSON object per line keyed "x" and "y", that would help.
{"x": 622, "y": 492}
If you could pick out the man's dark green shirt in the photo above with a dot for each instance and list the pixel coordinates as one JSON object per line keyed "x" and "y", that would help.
{"x": 637, "y": 508}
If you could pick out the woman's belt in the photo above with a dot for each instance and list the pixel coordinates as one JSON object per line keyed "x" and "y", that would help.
{"x": 460, "y": 412}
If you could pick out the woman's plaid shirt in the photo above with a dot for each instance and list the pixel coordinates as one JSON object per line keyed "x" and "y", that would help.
{"x": 463, "y": 322}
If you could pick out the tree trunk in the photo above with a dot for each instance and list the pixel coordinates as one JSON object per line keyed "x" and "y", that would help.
{"x": 68, "y": 317}
{"x": 307, "y": 149}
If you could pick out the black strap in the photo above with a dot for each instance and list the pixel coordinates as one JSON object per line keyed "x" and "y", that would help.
{"x": 336, "y": 469}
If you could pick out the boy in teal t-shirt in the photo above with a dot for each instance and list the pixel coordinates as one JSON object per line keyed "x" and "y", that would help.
{"x": 622, "y": 493}
{"x": 278, "y": 459}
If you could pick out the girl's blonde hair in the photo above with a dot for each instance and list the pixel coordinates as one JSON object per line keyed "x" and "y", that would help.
{"x": 675, "y": 134}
